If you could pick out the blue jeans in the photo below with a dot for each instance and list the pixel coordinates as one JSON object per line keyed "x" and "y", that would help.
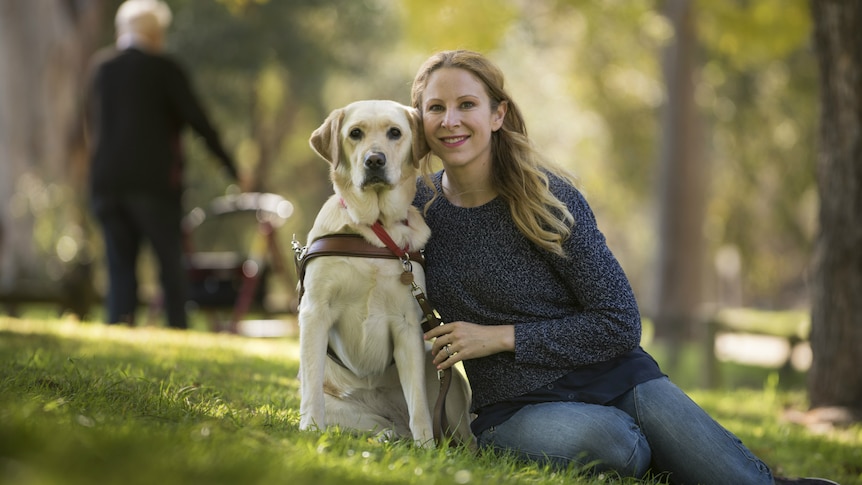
{"x": 653, "y": 427}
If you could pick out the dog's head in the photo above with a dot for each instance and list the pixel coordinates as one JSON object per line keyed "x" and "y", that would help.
{"x": 373, "y": 143}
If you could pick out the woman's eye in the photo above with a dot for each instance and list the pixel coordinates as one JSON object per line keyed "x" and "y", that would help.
{"x": 467, "y": 104}
{"x": 435, "y": 108}
{"x": 355, "y": 134}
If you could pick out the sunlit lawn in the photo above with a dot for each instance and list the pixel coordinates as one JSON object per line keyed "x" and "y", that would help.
{"x": 85, "y": 403}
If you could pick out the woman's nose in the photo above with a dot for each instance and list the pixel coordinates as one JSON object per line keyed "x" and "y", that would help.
{"x": 451, "y": 120}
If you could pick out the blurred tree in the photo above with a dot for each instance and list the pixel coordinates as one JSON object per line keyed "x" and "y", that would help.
{"x": 44, "y": 46}
{"x": 836, "y": 315}
{"x": 681, "y": 196}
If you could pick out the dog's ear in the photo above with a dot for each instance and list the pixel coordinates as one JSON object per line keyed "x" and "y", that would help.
{"x": 420, "y": 146}
{"x": 325, "y": 140}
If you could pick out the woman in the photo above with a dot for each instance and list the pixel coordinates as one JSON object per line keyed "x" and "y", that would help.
{"x": 541, "y": 314}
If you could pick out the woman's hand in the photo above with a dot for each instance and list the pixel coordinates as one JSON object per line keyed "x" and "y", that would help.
{"x": 459, "y": 341}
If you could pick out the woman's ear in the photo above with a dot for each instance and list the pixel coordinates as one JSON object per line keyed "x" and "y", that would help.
{"x": 499, "y": 115}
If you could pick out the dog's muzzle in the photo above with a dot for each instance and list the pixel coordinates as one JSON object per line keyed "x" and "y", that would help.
{"x": 375, "y": 169}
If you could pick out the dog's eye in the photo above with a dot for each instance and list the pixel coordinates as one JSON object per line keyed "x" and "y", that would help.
{"x": 355, "y": 134}
{"x": 394, "y": 133}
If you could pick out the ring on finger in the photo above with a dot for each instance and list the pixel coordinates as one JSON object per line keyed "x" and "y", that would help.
{"x": 448, "y": 350}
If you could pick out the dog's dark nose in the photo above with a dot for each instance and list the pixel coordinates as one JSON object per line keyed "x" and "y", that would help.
{"x": 375, "y": 160}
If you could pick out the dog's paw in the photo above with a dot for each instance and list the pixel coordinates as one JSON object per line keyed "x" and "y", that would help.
{"x": 390, "y": 436}
{"x": 308, "y": 424}
{"x": 386, "y": 436}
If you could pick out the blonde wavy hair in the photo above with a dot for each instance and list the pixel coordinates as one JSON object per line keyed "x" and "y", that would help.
{"x": 519, "y": 173}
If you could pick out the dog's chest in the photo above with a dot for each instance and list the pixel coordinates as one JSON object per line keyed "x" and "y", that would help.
{"x": 364, "y": 297}
{"x": 381, "y": 294}
{"x": 371, "y": 315}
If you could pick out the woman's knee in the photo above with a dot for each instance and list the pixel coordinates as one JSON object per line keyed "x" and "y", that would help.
{"x": 616, "y": 446}
{"x": 584, "y": 435}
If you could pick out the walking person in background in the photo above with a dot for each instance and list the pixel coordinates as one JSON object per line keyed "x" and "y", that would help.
{"x": 139, "y": 102}
{"x": 540, "y": 312}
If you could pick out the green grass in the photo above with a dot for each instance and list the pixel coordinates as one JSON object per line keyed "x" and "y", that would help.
{"x": 84, "y": 403}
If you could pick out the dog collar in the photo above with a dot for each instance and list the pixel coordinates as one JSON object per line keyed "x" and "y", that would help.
{"x": 384, "y": 236}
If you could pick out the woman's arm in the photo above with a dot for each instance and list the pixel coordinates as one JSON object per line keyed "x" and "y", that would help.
{"x": 603, "y": 320}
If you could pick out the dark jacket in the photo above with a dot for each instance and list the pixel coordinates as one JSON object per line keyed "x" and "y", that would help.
{"x": 139, "y": 104}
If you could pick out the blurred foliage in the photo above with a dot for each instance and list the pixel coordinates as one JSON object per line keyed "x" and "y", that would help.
{"x": 453, "y": 24}
{"x": 758, "y": 91}
{"x": 587, "y": 75}
{"x": 261, "y": 67}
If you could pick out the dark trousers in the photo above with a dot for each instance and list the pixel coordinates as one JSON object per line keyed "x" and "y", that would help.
{"x": 127, "y": 221}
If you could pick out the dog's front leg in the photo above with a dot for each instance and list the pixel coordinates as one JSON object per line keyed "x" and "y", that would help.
{"x": 313, "y": 340}
{"x": 410, "y": 361}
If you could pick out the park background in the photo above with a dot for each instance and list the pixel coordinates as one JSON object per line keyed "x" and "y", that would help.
{"x": 587, "y": 74}
{"x": 693, "y": 128}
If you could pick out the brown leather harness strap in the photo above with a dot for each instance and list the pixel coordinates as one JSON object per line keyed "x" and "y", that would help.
{"x": 432, "y": 319}
{"x": 342, "y": 245}
{"x": 356, "y": 246}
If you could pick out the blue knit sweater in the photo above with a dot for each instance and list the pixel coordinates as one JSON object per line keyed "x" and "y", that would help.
{"x": 569, "y": 314}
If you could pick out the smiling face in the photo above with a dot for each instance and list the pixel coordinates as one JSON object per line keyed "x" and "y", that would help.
{"x": 459, "y": 118}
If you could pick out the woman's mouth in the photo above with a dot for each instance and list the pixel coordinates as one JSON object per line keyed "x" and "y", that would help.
{"x": 453, "y": 141}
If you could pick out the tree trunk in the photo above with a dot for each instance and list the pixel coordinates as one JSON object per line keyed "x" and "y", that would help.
{"x": 44, "y": 46}
{"x": 681, "y": 191}
{"x": 836, "y": 315}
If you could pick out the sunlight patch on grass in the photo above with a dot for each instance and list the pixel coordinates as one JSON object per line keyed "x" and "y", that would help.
{"x": 287, "y": 348}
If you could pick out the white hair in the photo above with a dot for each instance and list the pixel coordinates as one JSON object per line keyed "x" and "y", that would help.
{"x": 140, "y": 21}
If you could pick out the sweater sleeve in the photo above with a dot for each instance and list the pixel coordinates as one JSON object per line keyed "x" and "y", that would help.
{"x": 604, "y": 321}
{"x": 191, "y": 110}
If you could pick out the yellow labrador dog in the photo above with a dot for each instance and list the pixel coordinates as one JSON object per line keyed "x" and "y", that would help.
{"x": 363, "y": 362}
